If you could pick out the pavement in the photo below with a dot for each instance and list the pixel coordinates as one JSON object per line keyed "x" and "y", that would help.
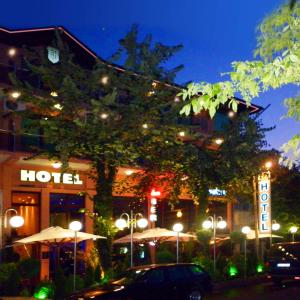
{"x": 258, "y": 291}
{"x": 241, "y": 282}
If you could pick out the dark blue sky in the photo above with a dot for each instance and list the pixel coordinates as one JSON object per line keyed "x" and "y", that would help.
{"x": 214, "y": 33}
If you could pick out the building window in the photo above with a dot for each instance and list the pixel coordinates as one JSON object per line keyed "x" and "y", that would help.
{"x": 64, "y": 208}
{"x": 28, "y": 206}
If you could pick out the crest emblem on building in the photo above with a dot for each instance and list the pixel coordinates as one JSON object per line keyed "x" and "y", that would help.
{"x": 53, "y": 55}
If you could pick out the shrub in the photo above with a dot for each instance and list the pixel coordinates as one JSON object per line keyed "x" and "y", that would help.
{"x": 69, "y": 284}
{"x": 164, "y": 255}
{"x": 45, "y": 289}
{"x": 29, "y": 268}
{"x": 204, "y": 236}
{"x": 9, "y": 279}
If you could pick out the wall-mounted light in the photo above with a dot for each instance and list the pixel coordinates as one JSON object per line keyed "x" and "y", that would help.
{"x": 105, "y": 80}
{"x": 179, "y": 214}
{"x": 12, "y": 52}
{"x": 268, "y": 165}
{"x": 58, "y": 106}
{"x": 15, "y": 94}
{"x": 219, "y": 141}
{"x": 231, "y": 114}
{"x": 129, "y": 172}
{"x": 104, "y": 116}
{"x": 56, "y": 165}
{"x": 184, "y": 178}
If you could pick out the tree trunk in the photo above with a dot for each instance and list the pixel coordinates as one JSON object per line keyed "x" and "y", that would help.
{"x": 104, "y": 211}
{"x": 255, "y": 212}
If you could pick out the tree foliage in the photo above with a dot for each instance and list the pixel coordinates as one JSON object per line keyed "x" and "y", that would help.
{"x": 116, "y": 118}
{"x": 278, "y": 64}
{"x": 285, "y": 196}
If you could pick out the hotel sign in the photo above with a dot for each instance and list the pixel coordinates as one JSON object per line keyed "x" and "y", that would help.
{"x": 44, "y": 177}
{"x": 264, "y": 203}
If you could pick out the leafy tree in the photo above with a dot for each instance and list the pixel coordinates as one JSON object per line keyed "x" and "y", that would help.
{"x": 278, "y": 64}
{"x": 285, "y": 196}
{"x": 116, "y": 118}
{"x": 103, "y": 115}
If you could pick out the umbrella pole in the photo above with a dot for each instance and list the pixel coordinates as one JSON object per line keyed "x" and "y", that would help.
{"x": 75, "y": 250}
{"x": 131, "y": 245}
{"x": 177, "y": 248}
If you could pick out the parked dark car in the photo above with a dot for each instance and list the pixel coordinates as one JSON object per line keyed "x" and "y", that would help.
{"x": 284, "y": 262}
{"x": 154, "y": 282}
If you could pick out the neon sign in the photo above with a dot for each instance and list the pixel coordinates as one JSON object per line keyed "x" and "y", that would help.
{"x": 153, "y": 206}
{"x": 264, "y": 203}
{"x": 217, "y": 192}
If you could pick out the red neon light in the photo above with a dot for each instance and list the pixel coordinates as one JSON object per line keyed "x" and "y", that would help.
{"x": 297, "y": 278}
{"x": 155, "y": 193}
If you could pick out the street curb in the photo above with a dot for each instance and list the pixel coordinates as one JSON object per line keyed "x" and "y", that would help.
{"x": 20, "y": 298}
{"x": 221, "y": 286}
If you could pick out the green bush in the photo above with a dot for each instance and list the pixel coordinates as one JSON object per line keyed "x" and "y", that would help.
{"x": 69, "y": 284}
{"x": 44, "y": 289}
{"x": 9, "y": 279}
{"x": 204, "y": 236}
{"x": 237, "y": 237}
{"x": 164, "y": 255}
{"x": 208, "y": 264}
{"x": 29, "y": 268}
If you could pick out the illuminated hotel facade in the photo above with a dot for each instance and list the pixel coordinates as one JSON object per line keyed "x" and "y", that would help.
{"x": 35, "y": 187}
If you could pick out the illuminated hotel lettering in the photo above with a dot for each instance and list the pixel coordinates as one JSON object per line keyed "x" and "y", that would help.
{"x": 217, "y": 192}
{"x": 44, "y": 177}
{"x": 264, "y": 203}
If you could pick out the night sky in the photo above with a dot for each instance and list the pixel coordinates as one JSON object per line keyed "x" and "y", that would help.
{"x": 214, "y": 33}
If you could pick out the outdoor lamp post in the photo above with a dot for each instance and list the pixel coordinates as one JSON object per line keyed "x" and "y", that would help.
{"x": 75, "y": 226}
{"x": 15, "y": 221}
{"x": 245, "y": 231}
{"x": 274, "y": 227}
{"x": 214, "y": 222}
{"x": 293, "y": 230}
{"x": 178, "y": 227}
{"x": 131, "y": 221}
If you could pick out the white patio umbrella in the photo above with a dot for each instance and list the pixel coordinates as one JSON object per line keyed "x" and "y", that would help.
{"x": 156, "y": 234}
{"x": 57, "y": 235}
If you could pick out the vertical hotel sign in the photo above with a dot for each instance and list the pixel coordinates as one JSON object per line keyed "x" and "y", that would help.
{"x": 264, "y": 203}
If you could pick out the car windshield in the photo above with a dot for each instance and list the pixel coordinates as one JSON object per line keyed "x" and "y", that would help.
{"x": 288, "y": 250}
{"x": 128, "y": 277}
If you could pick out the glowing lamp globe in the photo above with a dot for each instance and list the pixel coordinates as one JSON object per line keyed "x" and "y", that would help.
{"x": 222, "y": 224}
{"x": 207, "y": 224}
{"x": 16, "y": 221}
{"x": 293, "y": 229}
{"x": 75, "y": 226}
{"x": 121, "y": 224}
{"x": 246, "y": 230}
{"x": 142, "y": 223}
{"x": 178, "y": 227}
{"x": 268, "y": 164}
{"x": 275, "y": 226}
